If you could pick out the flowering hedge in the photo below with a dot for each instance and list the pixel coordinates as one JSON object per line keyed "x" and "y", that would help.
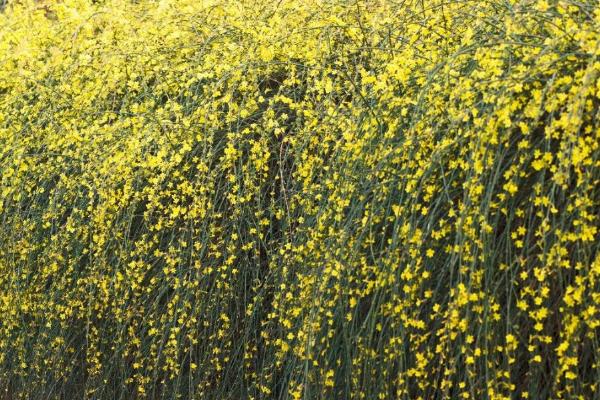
{"x": 294, "y": 199}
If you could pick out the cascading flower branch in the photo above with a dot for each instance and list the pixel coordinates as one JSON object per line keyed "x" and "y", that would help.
{"x": 317, "y": 199}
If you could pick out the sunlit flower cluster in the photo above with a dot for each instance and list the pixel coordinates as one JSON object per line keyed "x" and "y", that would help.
{"x": 299, "y": 199}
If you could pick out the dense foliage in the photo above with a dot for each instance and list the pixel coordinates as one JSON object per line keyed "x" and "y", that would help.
{"x": 299, "y": 199}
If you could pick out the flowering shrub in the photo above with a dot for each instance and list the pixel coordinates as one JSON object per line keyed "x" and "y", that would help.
{"x": 299, "y": 199}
